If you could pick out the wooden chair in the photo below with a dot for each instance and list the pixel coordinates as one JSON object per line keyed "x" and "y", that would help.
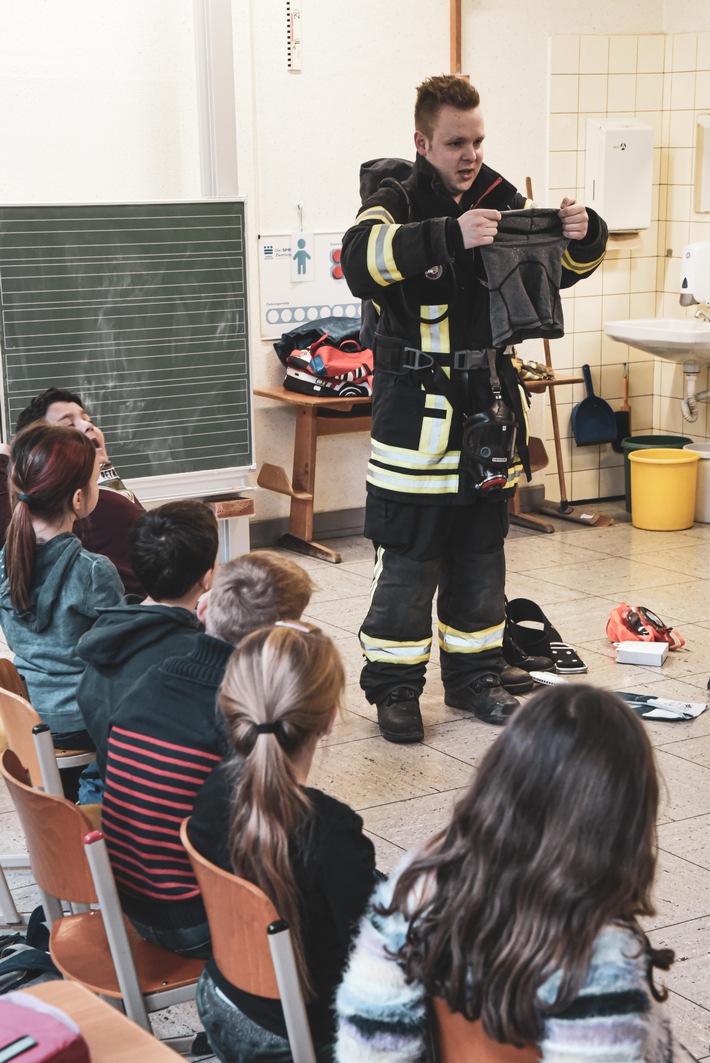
{"x": 19, "y": 718}
{"x": 10, "y": 678}
{"x": 97, "y": 948}
{"x": 31, "y": 740}
{"x": 459, "y": 1040}
{"x": 251, "y": 945}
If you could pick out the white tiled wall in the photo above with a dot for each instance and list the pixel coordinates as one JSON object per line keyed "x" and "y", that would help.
{"x": 663, "y": 80}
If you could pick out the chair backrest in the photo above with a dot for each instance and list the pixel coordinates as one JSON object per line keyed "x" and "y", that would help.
{"x": 54, "y": 830}
{"x": 458, "y": 1039}
{"x": 241, "y": 913}
{"x": 10, "y": 678}
{"x": 96, "y": 948}
{"x": 18, "y": 718}
{"x": 251, "y": 945}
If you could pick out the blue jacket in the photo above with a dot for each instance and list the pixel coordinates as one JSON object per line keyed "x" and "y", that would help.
{"x": 69, "y": 588}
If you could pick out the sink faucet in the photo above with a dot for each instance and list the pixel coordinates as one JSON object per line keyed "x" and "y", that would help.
{"x": 702, "y": 315}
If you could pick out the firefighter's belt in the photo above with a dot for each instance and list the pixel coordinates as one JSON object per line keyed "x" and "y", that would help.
{"x": 396, "y": 358}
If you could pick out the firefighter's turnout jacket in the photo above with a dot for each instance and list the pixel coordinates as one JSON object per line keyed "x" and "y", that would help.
{"x": 405, "y": 252}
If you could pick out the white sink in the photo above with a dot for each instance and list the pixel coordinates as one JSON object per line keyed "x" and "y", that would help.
{"x": 676, "y": 339}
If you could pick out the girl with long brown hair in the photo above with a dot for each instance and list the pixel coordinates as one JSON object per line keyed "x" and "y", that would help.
{"x": 304, "y": 849}
{"x": 524, "y": 911}
{"x": 51, "y": 589}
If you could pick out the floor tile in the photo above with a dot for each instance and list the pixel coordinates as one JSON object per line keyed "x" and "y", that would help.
{"x": 604, "y": 575}
{"x": 688, "y": 976}
{"x": 409, "y": 824}
{"x": 681, "y": 892}
{"x": 335, "y": 583}
{"x": 535, "y": 554}
{"x": 344, "y": 615}
{"x": 372, "y": 771}
{"x": 686, "y": 600}
{"x": 691, "y": 1024}
{"x": 387, "y": 854}
{"x": 467, "y": 740}
{"x": 685, "y": 787}
{"x": 696, "y": 750}
{"x": 688, "y": 839}
{"x": 350, "y": 727}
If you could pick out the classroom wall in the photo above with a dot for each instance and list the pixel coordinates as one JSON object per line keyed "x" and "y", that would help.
{"x": 99, "y": 102}
{"x": 664, "y": 80}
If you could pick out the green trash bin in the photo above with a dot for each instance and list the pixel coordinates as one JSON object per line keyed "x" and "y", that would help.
{"x": 644, "y": 443}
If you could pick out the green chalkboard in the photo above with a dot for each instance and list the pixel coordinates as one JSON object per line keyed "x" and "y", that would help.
{"x": 141, "y": 309}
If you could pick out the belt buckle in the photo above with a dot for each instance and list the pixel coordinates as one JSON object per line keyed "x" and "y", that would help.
{"x": 467, "y": 360}
{"x": 422, "y": 360}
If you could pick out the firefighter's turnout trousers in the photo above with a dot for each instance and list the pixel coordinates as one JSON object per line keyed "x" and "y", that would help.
{"x": 457, "y": 549}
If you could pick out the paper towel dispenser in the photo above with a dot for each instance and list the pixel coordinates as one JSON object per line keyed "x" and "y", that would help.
{"x": 619, "y": 172}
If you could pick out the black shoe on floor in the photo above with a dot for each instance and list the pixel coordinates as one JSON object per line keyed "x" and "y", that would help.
{"x": 399, "y": 717}
{"x": 516, "y": 657}
{"x": 516, "y": 680}
{"x": 485, "y": 698}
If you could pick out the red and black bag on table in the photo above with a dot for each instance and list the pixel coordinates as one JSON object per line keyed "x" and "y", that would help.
{"x": 325, "y": 358}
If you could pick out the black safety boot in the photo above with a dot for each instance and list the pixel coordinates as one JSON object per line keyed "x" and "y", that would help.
{"x": 515, "y": 680}
{"x": 399, "y": 717}
{"x": 516, "y": 657}
{"x": 485, "y": 698}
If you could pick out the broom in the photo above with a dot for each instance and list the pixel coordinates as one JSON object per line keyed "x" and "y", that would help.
{"x": 623, "y": 416}
{"x": 563, "y": 510}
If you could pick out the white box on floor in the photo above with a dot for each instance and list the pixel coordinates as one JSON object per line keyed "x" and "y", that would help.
{"x": 653, "y": 653}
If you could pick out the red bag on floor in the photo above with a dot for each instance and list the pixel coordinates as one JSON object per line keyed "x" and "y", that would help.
{"x": 636, "y": 623}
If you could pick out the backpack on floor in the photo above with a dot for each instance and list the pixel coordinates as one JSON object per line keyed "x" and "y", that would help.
{"x": 25, "y": 959}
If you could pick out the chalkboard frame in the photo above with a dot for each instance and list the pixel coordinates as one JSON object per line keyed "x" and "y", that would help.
{"x": 229, "y": 335}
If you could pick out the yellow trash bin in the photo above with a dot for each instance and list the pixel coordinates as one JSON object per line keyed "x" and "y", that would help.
{"x": 663, "y": 487}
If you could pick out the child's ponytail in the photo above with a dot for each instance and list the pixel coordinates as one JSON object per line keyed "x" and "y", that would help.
{"x": 48, "y": 464}
{"x": 280, "y": 690}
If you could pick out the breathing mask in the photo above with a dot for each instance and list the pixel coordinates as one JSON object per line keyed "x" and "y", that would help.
{"x": 488, "y": 444}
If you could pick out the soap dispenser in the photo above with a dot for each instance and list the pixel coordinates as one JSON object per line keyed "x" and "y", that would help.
{"x": 695, "y": 274}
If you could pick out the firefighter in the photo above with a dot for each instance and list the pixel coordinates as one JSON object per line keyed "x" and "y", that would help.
{"x": 436, "y": 527}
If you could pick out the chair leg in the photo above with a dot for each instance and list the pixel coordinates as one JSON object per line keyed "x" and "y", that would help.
{"x": 119, "y": 944}
{"x": 295, "y": 1015}
{"x": 8, "y": 908}
{"x": 52, "y": 908}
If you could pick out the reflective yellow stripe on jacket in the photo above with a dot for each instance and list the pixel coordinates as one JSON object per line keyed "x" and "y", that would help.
{"x": 380, "y": 256}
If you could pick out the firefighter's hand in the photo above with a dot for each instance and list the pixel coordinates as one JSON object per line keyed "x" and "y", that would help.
{"x": 575, "y": 220}
{"x": 479, "y": 227}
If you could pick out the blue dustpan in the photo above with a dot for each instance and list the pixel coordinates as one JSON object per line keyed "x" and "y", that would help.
{"x": 593, "y": 419}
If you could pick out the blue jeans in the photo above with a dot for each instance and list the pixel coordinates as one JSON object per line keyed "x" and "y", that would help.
{"x": 83, "y": 784}
{"x": 194, "y": 942}
{"x": 235, "y": 1038}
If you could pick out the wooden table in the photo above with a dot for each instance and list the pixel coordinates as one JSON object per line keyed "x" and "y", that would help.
{"x": 111, "y": 1037}
{"x": 312, "y": 422}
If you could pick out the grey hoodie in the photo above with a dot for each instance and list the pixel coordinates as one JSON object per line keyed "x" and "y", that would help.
{"x": 69, "y": 587}
{"x": 120, "y": 648}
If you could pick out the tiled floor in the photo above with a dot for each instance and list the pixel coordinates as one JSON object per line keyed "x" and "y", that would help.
{"x": 405, "y": 793}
